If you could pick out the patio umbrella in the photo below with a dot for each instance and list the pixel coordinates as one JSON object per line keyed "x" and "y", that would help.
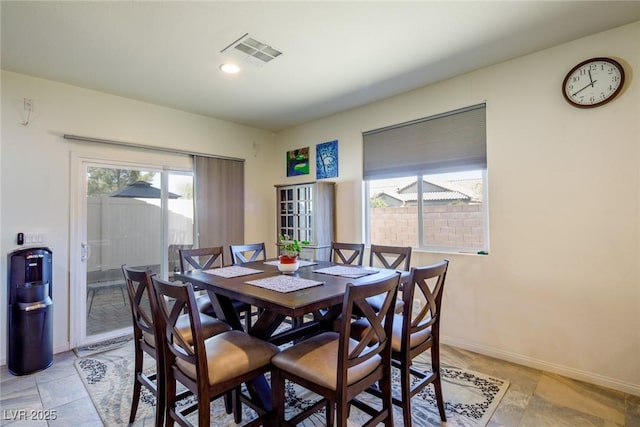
{"x": 141, "y": 190}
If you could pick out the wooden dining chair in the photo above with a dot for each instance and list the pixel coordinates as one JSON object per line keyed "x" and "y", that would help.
{"x": 205, "y": 259}
{"x": 247, "y": 253}
{"x": 347, "y": 253}
{"x": 208, "y": 367}
{"x": 393, "y": 258}
{"x": 344, "y": 253}
{"x": 142, "y": 301}
{"x": 414, "y": 332}
{"x": 339, "y": 368}
{"x": 201, "y": 258}
{"x": 189, "y": 260}
{"x": 144, "y": 333}
{"x": 174, "y": 257}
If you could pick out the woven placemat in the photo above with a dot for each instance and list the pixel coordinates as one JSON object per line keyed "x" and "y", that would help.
{"x": 284, "y": 283}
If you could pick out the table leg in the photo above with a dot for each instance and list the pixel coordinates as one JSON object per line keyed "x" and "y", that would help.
{"x": 259, "y": 388}
{"x": 266, "y": 324}
{"x": 224, "y": 310}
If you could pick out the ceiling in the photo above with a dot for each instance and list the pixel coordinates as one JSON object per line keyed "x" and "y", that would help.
{"x": 336, "y": 55}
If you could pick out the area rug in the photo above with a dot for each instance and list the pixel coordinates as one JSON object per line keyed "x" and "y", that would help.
{"x": 471, "y": 397}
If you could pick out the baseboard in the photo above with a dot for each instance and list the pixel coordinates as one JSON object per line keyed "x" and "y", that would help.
{"x": 531, "y": 362}
{"x": 61, "y": 348}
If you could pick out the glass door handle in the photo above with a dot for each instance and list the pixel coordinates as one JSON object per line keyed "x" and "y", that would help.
{"x": 85, "y": 251}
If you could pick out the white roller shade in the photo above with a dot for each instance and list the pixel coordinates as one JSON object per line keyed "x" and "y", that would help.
{"x": 447, "y": 142}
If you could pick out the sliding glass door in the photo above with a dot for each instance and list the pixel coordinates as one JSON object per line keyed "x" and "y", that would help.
{"x": 133, "y": 216}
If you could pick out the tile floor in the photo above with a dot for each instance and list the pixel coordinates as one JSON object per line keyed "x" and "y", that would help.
{"x": 534, "y": 399}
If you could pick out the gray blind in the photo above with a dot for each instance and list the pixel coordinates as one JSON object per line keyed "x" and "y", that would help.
{"x": 448, "y": 142}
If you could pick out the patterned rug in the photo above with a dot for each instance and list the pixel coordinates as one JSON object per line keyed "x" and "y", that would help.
{"x": 471, "y": 397}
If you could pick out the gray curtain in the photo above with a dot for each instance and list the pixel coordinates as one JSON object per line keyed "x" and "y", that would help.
{"x": 219, "y": 201}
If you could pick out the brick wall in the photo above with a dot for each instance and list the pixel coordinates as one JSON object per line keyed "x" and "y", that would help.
{"x": 458, "y": 226}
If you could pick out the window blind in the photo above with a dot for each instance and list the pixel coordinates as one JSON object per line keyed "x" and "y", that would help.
{"x": 448, "y": 142}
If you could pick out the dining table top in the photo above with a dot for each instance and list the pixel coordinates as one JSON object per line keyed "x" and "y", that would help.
{"x": 328, "y": 290}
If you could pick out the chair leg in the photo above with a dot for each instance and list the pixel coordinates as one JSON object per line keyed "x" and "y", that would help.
{"x": 343, "y": 412}
{"x": 137, "y": 368}
{"x": 405, "y": 385}
{"x": 387, "y": 405}
{"x": 228, "y": 403}
{"x": 277, "y": 397}
{"x": 437, "y": 384}
{"x": 237, "y": 405}
{"x": 330, "y": 413}
{"x": 161, "y": 397}
{"x": 170, "y": 403}
{"x": 204, "y": 412}
{"x": 134, "y": 401}
{"x": 93, "y": 294}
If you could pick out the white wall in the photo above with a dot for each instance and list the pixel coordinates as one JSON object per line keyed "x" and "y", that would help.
{"x": 37, "y": 180}
{"x": 560, "y": 289}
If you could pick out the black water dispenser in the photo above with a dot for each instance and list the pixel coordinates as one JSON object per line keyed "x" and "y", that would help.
{"x": 30, "y": 311}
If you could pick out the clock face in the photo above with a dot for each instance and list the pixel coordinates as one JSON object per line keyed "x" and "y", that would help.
{"x": 593, "y": 82}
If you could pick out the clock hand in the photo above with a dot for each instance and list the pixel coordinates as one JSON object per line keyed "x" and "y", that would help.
{"x": 590, "y": 84}
{"x": 590, "y": 79}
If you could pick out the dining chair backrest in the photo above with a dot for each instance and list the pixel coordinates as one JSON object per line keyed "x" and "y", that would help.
{"x": 204, "y": 259}
{"x": 347, "y": 253}
{"x": 175, "y": 299}
{"x": 391, "y": 257}
{"x": 377, "y": 340}
{"x": 424, "y": 288}
{"x": 174, "y": 257}
{"x": 201, "y": 258}
{"x": 338, "y": 367}
{"x": 247, "y": 253}
{"x": 138, "y": 288}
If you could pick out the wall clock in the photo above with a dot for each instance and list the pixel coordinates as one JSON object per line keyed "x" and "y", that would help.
{"x": 593, "y": 82}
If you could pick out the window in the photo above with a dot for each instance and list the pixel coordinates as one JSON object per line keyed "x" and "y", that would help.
{"x": 450, "y": 215}
{"x": 426, "y": 183}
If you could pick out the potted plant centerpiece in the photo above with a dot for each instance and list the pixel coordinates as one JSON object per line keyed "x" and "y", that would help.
{"x": 289, "y": 252}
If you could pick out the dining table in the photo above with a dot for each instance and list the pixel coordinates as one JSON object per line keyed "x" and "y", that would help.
{"x": 313, "y": 293}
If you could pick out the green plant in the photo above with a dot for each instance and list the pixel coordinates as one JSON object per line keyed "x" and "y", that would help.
{"x": 290, "y": 247}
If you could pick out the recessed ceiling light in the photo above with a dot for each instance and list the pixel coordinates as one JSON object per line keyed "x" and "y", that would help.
{"x": 230, "y": 68}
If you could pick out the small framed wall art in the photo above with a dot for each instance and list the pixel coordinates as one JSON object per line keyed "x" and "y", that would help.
{"x": 298, "y": 162}
{"x": 327, "y": 160}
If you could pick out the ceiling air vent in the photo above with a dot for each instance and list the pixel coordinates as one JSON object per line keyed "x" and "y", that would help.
{"x": 252, "y": 49}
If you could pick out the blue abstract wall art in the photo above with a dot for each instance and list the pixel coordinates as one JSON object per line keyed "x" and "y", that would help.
{"x": 327, "y": 160}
